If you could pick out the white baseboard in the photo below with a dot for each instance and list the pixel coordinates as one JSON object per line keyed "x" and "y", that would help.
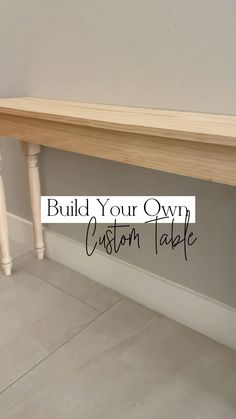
{"x": 205, "y": 315}
{"x": 20, "y": 230}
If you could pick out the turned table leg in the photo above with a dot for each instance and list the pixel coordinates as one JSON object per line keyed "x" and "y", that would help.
{"x": 4, "y": 240}
{"x": 31, "y": 152}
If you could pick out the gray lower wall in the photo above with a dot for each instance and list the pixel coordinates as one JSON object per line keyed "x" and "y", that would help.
{"x": 158, "y": 53}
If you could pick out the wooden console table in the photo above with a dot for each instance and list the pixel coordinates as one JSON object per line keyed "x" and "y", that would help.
{"x": 190, "y": 144}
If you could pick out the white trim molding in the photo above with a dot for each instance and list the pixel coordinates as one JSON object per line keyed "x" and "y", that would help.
{"x": 203, "y": 314}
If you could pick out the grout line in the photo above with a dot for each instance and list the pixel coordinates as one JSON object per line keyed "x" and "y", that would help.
{"x": 66, "y": 292}
{"x": 23, "y": 254}
{"x": 69, "y": 295}
{"x": 56, "y": 349}
{"x": 18, "y": 257}
{"x": 61, "y": 289}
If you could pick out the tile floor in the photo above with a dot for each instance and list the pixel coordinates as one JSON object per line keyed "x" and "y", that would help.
{"x": 71, "y": 349}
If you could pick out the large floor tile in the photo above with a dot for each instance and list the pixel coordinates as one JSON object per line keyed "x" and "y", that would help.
{"x": 35, "y": 318}
{"x": 129, "y": 364}
{"x": 72, "y": 282}
{"x": 18, "y": 249}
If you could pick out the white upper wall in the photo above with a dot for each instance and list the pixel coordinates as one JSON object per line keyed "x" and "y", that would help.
{"x": 175, "y": 54}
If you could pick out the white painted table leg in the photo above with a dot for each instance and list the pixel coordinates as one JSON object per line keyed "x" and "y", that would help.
{"x": 31, "y": 152}
{"x": 4, "y": 239}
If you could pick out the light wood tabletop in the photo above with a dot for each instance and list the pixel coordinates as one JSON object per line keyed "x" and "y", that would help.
{"x": 208, "y": 128}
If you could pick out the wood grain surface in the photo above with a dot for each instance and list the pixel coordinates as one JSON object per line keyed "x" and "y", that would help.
{"x": 189, "y": 126}
{"x": 190, "y": 144}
